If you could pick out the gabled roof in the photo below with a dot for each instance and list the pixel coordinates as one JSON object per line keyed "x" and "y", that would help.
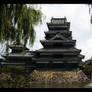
{"x": 58, "y": 37}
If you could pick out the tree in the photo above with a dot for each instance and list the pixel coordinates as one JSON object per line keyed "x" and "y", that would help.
{"x": 88, "y": 62}
{"x": 17, "y": 23}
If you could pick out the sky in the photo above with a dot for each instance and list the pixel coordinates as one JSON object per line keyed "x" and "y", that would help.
{"x": 77, "y": 15}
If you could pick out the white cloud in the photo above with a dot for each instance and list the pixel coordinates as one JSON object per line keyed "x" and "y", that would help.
{"x": 86, "y": 48}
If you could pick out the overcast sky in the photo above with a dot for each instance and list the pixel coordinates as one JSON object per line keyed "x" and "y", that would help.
{"x": 77, "y": 15}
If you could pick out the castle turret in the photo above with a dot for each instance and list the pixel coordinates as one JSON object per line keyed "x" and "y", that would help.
{"x": 59, "y": 49}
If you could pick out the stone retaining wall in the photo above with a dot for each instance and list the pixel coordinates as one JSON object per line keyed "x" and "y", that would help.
{"x": 58, "y": 76}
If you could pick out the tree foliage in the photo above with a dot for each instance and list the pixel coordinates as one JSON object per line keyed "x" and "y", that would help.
{"x": 88, "y": 62}
{"x": 17, "y": 23}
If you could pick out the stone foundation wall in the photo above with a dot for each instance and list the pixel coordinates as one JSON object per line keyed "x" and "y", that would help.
{"x": 58, "y": 76}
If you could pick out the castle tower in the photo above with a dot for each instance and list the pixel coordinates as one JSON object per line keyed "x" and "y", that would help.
{"x": 59, "y": 51}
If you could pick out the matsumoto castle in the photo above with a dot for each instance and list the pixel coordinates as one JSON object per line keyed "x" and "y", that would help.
{"x": 58, "y": 52}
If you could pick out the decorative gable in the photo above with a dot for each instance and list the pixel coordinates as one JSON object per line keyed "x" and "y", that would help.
{"x": 58, "y": 37}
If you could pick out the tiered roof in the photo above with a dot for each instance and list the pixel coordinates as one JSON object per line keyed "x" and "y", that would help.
{"x": 18, "y": 54}
{"x": 59, "y": 47}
